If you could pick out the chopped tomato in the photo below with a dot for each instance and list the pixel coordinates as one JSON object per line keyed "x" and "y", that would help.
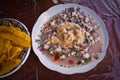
{"x": 81, "y": 48}
{"x": 71, "y": 61}
{"x": 80, "y": 45}
{"x": 56, "y": 57}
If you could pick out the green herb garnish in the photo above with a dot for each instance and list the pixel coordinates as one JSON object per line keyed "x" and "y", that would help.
{"x": 87, "y": 60}
{"x": 79, "y": 62}
{"x": 86, "y": 40}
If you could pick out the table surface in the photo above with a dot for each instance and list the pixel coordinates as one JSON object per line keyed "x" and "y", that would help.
{"x": 27, "y": 11}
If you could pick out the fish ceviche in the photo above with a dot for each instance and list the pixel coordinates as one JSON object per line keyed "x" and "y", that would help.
{"x": 71, "y": 38}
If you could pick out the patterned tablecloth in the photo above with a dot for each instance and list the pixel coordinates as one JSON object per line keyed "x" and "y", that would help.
{"x": 27, "y": 11}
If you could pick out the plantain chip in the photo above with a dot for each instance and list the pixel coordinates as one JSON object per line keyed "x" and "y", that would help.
{"x": 8, "y": 65}
{"x": 14, "y": 31}
{"x": 3, "y": 57}
{"x": 4, "y": 43}
{"x": 19, "y": 41}
{"x": 15, "y": 51}
{"x": 9, "y": 50}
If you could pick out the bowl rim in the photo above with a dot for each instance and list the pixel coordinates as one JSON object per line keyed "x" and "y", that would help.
{"x": 27, "y": 54}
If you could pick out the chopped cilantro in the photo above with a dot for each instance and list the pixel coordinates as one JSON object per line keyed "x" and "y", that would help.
{"x": 87, "y": 60}
{"x": 79, "y": 62}
{"x": 86, "y": 41}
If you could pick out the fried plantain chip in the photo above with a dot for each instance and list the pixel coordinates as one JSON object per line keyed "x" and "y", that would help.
{"x": 15, "y": 51}
{"x": 3, "y": 57}
{"x": 8, "y": 65}
{"x": 4, "y": 43}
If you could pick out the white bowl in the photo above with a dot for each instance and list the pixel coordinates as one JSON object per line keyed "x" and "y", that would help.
{"x": 44, "y": 17}
{"x": 26, "y": 51}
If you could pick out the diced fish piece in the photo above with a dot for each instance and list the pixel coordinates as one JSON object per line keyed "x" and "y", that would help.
{"x": 58, "y": 49}
{"x": 62, "y": 57}
{"x": 86, "y": 55}
{"x": 46, "y": 46}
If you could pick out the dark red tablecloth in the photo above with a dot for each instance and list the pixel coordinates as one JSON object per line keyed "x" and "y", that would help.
{"x": 27, "y": 11}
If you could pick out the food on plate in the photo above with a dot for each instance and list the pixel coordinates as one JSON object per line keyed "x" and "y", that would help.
{"x": 13, "y": 42}
{"x": 71, "y": 38}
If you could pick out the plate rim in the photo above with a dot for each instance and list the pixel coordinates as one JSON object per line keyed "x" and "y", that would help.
{"x": 60, "y": 69}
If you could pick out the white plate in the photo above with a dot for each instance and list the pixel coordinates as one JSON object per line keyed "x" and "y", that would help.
{"x": 27, "y": 50}
{"x": 47, "y": 15}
